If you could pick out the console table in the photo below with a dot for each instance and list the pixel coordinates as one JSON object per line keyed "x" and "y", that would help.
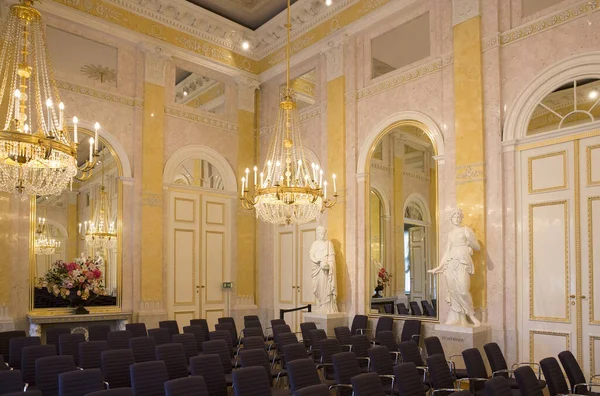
{"x": 77, "y": 323}
{"x": 390, "y": 302}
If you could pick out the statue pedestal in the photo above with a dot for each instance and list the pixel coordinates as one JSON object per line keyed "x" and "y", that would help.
{"x": 327, "y": 321}
{"x": 456, "y": 338}
{"x": 6, "y": 322}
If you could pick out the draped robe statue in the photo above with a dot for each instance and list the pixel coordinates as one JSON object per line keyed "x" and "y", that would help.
{"x": 457, "y": 267}
{"x": 324, "y": 281}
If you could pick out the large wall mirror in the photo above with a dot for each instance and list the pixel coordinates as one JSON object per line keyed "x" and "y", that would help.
{"x": 62, "y": 232}
{"x": 402, "y": 223}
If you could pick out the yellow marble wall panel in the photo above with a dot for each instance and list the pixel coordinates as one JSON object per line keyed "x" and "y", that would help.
{"x": 336, "y": 163}
{"x": 72, "y": 231}
{"x": 470, "y": 189}
{"x": 5, "y": 243}
{"x": 398, "y": 225}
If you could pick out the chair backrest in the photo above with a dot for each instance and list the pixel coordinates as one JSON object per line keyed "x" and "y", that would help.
{"x": 201, "y": 323}
{"x": 415, "y": 309}
{"x": 306, "y": 328}
{"x": 433, "y": 346}
{"x": 228, "y": 327}
{"x": 28, "y": 357}
{"x": 359, "y": 324}
{"x": 429, "y": 309}
{"x": 439, "y": 372}
{"x": 28, "y": 393}
{"x": 174, "y": 357}
{"x": 98, "y": 332}
{"x": 16, "y": 345}
{"x": 222, "y": 335}
{"x": 495, "y": 357}
{"x": 315, "y": 336}
{"x": 143, "y": 348}
{"x": 368, "y": 384}
{"x": 47, "y": 370}
{"x": 188, "y": 341}
{"x": 80, "y": 382}
{"x": 229, "y": 320}
{"x": 189, "y": 386}
{"x": 384, "y": 323}
{"x": 528, "y": 382}
{"x": 573, "y": 370}
{"x": 277, "y": 322}
{"x": 388, "y": 339}
{"x": 408, "y": 379}
{"x": 381, "y": 361}
{"x": 113, "y": 392}
{"x": 343, "y": 335}
{"x": 281, "y": 328}
{"x": 249, "y": 381}
{"x": 251, "y": 318}
{"x": 137, "y": 329}
{"x": 160, "y": 335}
{"x": 90, "y": 353}
{"x": 283, "y": 339}
{"x": 554, "y": 377}
{"x": 68, "y": 344}
{"x": 402, "y": 310}
{"x": 328, "y": 348}
{"x": 253, "y": 331}
{"x": 360, "y": 345}
{"x": 345, "y": 366}
{"x": 253, "y": 343}
{"x": 410, "y": 353}
{"x": 119, "y": 339}
{"x": 498, "y": 386}
{"x": 199, "y": 335}
{"x": 210, "y": 368}
{"x": 10, "y": 381}
{"x": 423, "y": 305}
{"x": 170, "y": 325}
{"x": 474, "y": 363}
{"x": 314, "y": 390}
{"x": 219, "y": 347}
{"x": 53, "y": 333}
{"x": 115, "y": 367}
{"x": 293, "y": 352}
{"x": 3, "y": 364}
{"x": 256, "y": 358}
{"x": 148, "y": 378}
{"x": 302, "y": 373}
{"x": 5, "y": 337}
{"x": 411, "y": 331}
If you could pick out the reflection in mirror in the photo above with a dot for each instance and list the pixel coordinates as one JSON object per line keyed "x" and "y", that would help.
{"x": 303, "y": 89}
{"x": 199, "y": 92}
{"x": 402, "y": 208}
{"x": 410, "y": 42}
{"x": 199, "y": 173}
{"x": 60, "y": 233}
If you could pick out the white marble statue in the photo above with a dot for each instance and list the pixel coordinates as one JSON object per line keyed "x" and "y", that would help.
{"x": 323, "y": 273}
{"x": 457, "y": 267}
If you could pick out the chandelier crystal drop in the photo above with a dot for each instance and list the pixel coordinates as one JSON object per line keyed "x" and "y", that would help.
{"x": 37, "y": 154}
{"x": 100, "y": 232}
{"x": 289, "y": 189}
{"x": 44, "y": 245}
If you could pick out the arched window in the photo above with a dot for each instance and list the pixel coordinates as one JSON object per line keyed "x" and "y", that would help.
{"x": 574, "y": 103}
{"x": 414, "y": 211}
{"x": 198, "y": 173}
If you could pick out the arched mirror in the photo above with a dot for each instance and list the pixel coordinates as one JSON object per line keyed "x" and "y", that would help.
{"x": 402, "y": 223}
{"x": 80, "y": 228}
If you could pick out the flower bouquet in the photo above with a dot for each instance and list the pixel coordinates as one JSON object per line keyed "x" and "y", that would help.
{"x": 79, "y": 281}
{"x": 383, "y": 279}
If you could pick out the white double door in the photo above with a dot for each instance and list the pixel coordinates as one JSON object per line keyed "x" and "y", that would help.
{"x": 559, "y": 252}
{"x": 199, "y": 258}
{"x": 293, "y": 269}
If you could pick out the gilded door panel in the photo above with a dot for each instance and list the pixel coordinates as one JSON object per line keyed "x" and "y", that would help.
{"x": 307, "y": 237}
{"x": 417, "y": 251}
{"x": 544, "y": 343}
{"x": 547, "y": 172}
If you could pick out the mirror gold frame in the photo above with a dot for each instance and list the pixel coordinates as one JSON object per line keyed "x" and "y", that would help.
{"x": 32, "y": 258}
{"x": 367, "y": 200}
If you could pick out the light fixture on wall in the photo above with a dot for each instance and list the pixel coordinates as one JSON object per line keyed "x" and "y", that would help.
{"x": 37, "y": 154}
{"x": 289, "y": 189}
{"x": 100, "y": 232}
{"x": 43, "y": 244}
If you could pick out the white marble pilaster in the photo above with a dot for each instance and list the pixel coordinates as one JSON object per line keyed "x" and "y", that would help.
{"x": 463, "y": 10}
{"x": 155, "y": 61}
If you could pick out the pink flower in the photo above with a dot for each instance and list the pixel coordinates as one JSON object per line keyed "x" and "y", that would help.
{"x": 97, "y": 273}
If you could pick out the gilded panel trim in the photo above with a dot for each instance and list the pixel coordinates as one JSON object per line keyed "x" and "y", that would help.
{"x": 470, "y": 173}
{"x": 566, "y": 319}
{"x": 279, "y": 235}
{"x": 184, "y": 312}
{"x": 110, "y": 97}
{"x": 301, "y": 265}
{"x": 222, "y": 205}
{"x": 562, "y": 139}
{"x": 578, "y": 270}
{"x": 175, "y": 302}
{"x": 532, "y": 333}
{"x": 175, "y": 218}
{"x": 593, "y": 340}
{"x": 588, "y": 164}
{"x": 590, "y": 202}
{"x": 204, "y": 119}
{"x": 206, "y": 264}
{"x": 565, "y": 184}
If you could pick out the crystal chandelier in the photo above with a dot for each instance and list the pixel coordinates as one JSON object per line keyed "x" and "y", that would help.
{"x": 44, "y": 245}
{"x": 100, "y": 232}
{"x": 289, "y": 190}
{"x": 37, "y": 154}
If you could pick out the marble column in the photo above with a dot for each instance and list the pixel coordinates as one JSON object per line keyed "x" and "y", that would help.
{"x": 153, "y": 124}
{"x": 398, "y": 215}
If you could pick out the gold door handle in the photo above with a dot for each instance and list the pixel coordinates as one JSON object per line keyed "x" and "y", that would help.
{"x": 583, "y": 297}
{"x": 572, "y": 296}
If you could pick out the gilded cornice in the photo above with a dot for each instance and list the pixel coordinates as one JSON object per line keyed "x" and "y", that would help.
{"x": 110, "y": 97}
{"x": 204, "y": 119}
{"x": 406, "y": 77}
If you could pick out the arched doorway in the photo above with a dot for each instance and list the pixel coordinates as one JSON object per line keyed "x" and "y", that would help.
{"x": 201, "y": 196}
{"x": 553, "y": 129}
